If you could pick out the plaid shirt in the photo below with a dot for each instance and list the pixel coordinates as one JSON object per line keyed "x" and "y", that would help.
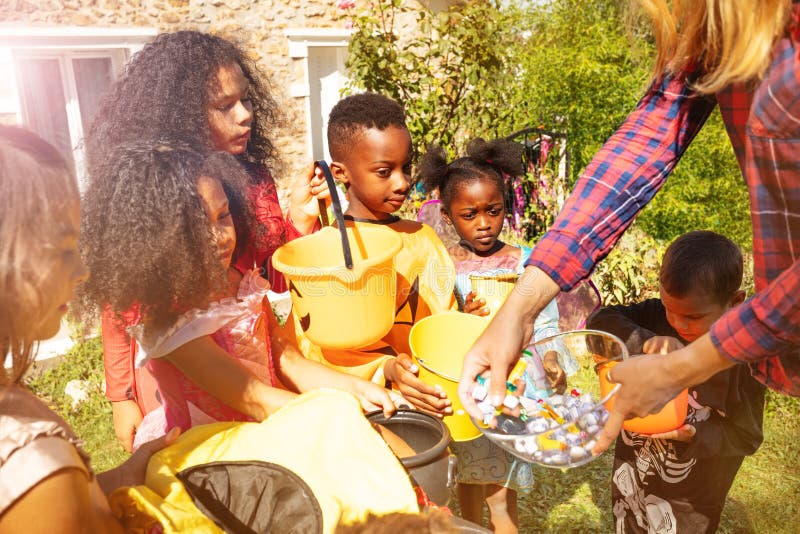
{"x": 763, "y": 123}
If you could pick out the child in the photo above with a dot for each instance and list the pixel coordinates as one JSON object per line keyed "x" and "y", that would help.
{"x": 205, "y": 342}
{"x": 472, "y": 192}
{"x": 42, "y": 465}
{"x": 680, "y": 479}
{"x": 371, "y": 150}
{"x": 199, "y": 87}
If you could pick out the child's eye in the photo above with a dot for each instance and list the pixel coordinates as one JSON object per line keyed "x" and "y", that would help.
{"x": 383, "y": 173}
{"x": 468, "y": 216}
{"x": 494, "y": 213}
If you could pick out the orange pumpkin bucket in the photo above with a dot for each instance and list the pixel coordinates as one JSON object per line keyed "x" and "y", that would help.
{"x": 671, "y": 416}
{"x": 342, "y": 308}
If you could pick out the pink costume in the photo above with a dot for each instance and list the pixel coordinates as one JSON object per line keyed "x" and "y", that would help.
{"x": 35, "y": 443}
{"x": 234, "y": 324}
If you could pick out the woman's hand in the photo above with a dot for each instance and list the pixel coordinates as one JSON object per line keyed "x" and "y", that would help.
{"x": 304, "y": 199}
{"x": 500, "y": 345}
{"x": 650, "y": 381}
{"x": 133, "y": 471}
{"x": 403, "y": 373}
{"x": 475, "y": 305}
{"x": 127, "y": 417}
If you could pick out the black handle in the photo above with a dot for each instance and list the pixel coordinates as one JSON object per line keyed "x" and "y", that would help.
{"x": 337, "y": 213}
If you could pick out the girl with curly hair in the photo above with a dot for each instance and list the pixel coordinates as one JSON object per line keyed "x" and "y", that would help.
{"x": 472, "y": 191}
{"x": 215, "y": 349}
{"x": 204, "y": 89}
{"x": 42, "y": 464}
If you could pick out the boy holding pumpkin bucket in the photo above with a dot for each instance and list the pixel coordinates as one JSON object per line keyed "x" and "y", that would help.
{"x": 682, "y": 477}
{"x": 370, "y": 146}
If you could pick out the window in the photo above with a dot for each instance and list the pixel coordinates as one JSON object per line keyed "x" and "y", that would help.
{"x": 324, "y": 52}
{"x": 61, "y": 75}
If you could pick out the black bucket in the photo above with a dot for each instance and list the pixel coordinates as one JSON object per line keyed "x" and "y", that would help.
{"x": 432, "y": 467}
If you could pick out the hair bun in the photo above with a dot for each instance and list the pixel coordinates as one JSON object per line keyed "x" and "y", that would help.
{"x": 433, "y": 168}
{"x": 502, "y": 154}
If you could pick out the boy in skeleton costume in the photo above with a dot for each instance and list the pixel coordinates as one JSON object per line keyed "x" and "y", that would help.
{"x": 677, "y": 481}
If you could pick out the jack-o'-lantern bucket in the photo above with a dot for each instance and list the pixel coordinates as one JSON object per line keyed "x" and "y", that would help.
{"x": 340, "y": 307}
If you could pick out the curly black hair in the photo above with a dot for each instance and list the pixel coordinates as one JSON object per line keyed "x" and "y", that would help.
{"x": 164, "y": 90}
{"x": 145, "y": 235}
{"x": 351, "y": 116}
{"x": 484, "y": 160}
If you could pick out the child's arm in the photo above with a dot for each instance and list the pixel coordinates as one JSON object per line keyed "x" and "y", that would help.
{"x": 304, "y": 200}
{"x": 633, "y": 324}
{"x": 301, "y": 374}
{"x": 120, "y": 383}
{"x": 211, "y": 368}
{"x": 475, "y": 305}
{"x": 402, "y": 372}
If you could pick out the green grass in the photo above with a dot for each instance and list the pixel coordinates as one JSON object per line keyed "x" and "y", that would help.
{"x": 764, "y": 498}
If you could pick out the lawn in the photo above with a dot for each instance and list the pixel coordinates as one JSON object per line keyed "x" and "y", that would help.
{"x": 764, "y": 498}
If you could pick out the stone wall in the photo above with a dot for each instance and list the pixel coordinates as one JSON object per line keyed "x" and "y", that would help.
{"x": 259, "y": 24}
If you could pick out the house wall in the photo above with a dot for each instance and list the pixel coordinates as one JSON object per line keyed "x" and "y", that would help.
{"x": 261, "y": 25}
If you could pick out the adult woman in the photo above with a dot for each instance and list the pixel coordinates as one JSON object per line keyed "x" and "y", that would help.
{"x": 742, "y": 55}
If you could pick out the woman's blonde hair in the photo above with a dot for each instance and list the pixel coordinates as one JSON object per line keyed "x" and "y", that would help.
{"x": 38, "y": 197}
{"x": 730, "y": 40}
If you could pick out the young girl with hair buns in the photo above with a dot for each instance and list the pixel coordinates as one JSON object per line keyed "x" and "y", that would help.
{"x": 472, "y": 192}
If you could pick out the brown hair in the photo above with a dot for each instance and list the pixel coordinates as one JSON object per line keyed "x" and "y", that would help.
{"x": 702, "y": 262}
{"x": 730, "y": 40}
{"x": 37, "y": 193}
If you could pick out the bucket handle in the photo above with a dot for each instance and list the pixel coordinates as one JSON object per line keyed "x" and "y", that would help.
{"x": 337, "y": 212}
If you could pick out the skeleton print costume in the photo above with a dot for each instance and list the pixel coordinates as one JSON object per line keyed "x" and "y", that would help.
{"x": 666, "y": 486}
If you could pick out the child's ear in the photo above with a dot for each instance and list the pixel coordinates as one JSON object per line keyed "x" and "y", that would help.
{"x": 446, "y": 217}
{"x": 737, "y": 298}
{"x": 339, "y": 172}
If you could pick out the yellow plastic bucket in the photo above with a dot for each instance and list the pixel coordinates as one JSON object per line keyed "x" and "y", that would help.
{"x": 342, "y": 308}
{"x": 494, "y": 289}
{"x": 438, "y": 345}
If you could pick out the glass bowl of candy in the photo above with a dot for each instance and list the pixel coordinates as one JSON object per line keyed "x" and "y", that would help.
{"x": 554, "y": 408}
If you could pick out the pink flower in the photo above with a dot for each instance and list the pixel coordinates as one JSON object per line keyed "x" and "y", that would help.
{"x": 345, "y": 4}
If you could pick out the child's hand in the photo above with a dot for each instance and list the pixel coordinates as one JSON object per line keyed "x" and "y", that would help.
{"x": 475, "y": 306}
{"x": 553, "y": 372}
{"x": 685, "y": 434}
{"x": 373, "y": 397}
{"x": 661, "y": 345}
{"x": 132, "y": 472}
{"x": 127, "y": 417}
{"x": 403, "y": 373}
{"x": 304, "y": 199}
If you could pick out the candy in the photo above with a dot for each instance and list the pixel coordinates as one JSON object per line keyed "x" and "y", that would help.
{"x": 511, "y": 402}
{"x": 577, "y": 453}
{"x": 555, "y": 430}
{"x": 479, "y": 392}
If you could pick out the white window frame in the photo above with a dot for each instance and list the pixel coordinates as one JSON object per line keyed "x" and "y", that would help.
{"x": 300, "y": 40}
{"x": 65, "y": 44}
